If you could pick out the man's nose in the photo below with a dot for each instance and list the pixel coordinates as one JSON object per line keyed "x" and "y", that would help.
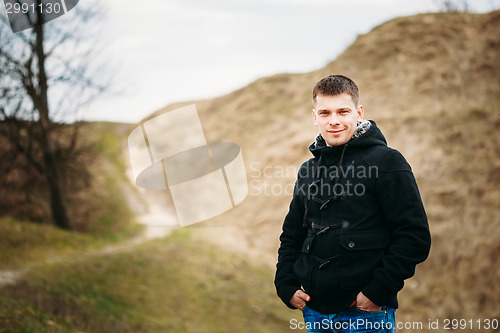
{"x": 334, "y": 120}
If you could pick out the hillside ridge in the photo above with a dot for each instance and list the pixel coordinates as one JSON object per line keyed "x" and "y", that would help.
{"x": 432, "y": 83}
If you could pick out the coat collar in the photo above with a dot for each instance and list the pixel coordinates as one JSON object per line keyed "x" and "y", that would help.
{"x": 366, "y": 134}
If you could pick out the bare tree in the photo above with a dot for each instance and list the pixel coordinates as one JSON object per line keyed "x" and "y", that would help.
{"x": 453, "y": 5}
{"x": 35, "y": 65}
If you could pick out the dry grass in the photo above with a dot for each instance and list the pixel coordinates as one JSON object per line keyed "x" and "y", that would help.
{"x": 169, "y": 285}
{"x": 96, "y": 184}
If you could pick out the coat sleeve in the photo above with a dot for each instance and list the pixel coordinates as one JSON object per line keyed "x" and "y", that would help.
{"x": 401, "y": 204}
{"x": 291, "y": 239}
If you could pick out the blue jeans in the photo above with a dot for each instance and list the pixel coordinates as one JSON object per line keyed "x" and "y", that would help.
{"x": 350, "y": 321}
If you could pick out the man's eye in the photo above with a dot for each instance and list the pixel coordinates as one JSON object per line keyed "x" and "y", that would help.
{"x": 344, "y": 112}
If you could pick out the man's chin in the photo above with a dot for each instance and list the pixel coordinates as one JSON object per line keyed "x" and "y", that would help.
{"x": 334, "y": 143}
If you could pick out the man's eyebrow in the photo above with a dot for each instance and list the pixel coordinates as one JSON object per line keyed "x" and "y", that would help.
{"x": 342, "y": 108}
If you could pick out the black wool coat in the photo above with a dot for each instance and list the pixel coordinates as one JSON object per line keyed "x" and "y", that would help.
{"x": 356, "y": 222}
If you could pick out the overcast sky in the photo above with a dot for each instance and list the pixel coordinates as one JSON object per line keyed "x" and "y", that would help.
{"x": 164, "y": 51}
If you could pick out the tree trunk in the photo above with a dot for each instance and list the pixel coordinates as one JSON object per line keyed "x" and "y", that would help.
{"x": 58, "y": 203}
{"x": 52, "y": 173}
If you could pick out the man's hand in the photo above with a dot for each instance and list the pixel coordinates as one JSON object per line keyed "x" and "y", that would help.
{"x": 365, "y": 304}
{"x": 299, "y": 299}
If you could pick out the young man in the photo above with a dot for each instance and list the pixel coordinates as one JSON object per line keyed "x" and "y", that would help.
{"x": 356, "y": 227}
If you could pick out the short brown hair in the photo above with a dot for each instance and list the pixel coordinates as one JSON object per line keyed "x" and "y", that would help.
{"x": 333, "y": 85}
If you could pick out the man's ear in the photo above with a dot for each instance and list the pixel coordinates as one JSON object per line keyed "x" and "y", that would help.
{"x": 361, "y": 113}
{"x": 314, "y": 117}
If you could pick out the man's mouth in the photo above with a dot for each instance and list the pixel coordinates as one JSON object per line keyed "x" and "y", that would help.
{"x": 335, "y": 131}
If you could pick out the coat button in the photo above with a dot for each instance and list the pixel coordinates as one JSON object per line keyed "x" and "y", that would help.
{"x": 351, "y": 244}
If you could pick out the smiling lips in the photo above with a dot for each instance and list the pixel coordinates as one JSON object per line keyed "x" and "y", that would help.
{"x": 335, "y": 131}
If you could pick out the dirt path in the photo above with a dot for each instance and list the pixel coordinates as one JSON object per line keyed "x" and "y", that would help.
{"x": 152, "y": 210}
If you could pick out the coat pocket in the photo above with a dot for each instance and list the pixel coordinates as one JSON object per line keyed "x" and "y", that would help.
{"x": 361, "y": 253}
{"x": 303, "y": 270}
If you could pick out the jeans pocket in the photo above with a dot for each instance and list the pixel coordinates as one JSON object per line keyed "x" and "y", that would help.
{"x": 371, "y": 321}
{"x": 355, "y": 307}
{"x": 314, "y": 321}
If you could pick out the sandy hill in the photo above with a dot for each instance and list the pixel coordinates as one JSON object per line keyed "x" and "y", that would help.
{"x": 432, "y": 83}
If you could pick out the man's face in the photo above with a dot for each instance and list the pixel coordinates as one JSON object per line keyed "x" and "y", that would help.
{"x": 336, "y": 117}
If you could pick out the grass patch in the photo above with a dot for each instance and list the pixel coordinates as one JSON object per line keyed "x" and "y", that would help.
{"x": 168, "y": 285}
{"x": 96, "y": 185}
{"x": 104, "y": 208}
{"x": 26, "y": 243}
